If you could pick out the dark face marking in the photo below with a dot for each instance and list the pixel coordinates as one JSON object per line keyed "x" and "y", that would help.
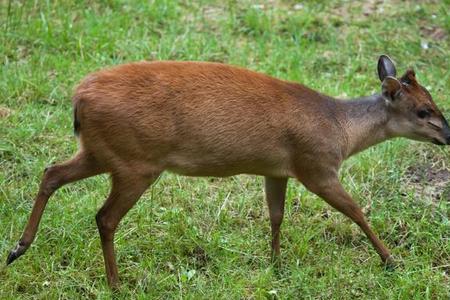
{"x": 437, "y": 142}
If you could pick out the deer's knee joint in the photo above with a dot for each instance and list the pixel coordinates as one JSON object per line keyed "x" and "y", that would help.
{"x": 49, "y": 172}
{"x": 104, "y": 224}
{"x": 51, "y": 181}
{"x": 276, "y": 219}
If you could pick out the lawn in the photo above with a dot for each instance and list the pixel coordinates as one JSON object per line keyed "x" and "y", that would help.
{"x": 206, "y": 238}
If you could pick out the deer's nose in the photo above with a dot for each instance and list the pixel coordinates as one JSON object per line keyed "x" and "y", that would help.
{"x": 448, "y": 140}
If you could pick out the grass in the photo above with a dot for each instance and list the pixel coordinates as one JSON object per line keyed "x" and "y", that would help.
{"x": 205, "y": 238}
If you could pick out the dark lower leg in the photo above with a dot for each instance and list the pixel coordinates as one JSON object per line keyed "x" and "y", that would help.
{"x": 377, "y": 243}
{"x": 275, "y": 197}
{"x": 107, "y": 242}
{"x": 126, "y": 190}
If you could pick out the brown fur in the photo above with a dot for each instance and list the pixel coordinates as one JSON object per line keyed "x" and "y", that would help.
{"x": 182, "y": 109}
{"x": 207, "y": 119}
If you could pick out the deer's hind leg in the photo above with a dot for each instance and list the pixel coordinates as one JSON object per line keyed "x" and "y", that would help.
{"x": 81, "y": 166}
{"x": 126, "y": 190}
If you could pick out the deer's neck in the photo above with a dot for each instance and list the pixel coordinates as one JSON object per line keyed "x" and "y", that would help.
{"x": 366, "y": 122}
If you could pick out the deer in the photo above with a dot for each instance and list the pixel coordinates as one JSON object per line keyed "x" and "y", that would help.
{"x": 137, "y": 120}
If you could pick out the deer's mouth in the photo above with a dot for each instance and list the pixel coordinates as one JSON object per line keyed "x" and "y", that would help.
{"x": 438, "y": 142}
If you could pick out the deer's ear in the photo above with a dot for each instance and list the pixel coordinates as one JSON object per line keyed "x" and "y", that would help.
{"x": 409, "y": 77}
{"x": 385, "y": 67}
{"x": 390, "y": 88}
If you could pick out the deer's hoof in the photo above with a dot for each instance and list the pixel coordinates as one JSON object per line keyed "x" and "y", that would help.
{"x": 16, "y": 253}
{"x": 390, "y": 264}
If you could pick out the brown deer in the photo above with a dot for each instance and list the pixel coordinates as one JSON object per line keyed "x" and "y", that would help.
{"x": 137, "y": 120}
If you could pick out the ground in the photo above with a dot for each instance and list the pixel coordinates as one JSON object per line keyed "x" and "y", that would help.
{"x": 204, "y": 238}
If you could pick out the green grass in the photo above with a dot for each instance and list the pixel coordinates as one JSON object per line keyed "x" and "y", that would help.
{"x": 205, "y": 238}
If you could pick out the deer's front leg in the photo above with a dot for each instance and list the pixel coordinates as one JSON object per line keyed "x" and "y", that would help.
{"x": 275, "y": 196}
{"x": 334, "y": 194}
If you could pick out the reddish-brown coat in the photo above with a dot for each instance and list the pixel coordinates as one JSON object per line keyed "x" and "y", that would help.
{"x": 201, "y": 119}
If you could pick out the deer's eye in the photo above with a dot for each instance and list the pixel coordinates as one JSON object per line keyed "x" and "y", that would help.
{"x": 423, "y": 113}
